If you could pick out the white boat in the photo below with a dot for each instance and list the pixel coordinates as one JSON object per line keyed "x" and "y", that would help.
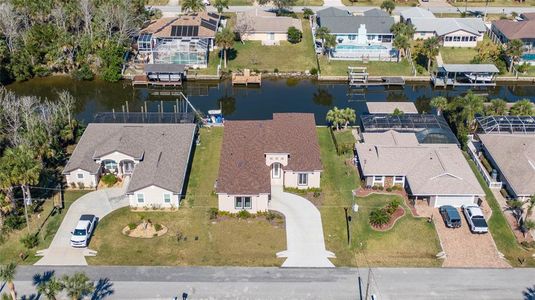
{"x": 214, "y": 118}
{"x": 480, "y": 77}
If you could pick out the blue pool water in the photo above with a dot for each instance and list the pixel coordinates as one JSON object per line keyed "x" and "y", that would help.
{"x": 528, "y": 56}
{"x": 358, "y": 47}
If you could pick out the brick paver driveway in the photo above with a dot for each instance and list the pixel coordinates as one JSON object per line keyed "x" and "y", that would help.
{"x": 464, "y": 249}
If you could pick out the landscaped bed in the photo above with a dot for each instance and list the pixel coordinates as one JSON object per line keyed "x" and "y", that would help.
{"x": 195, "y": 236}
{"x": 410, "y": 242}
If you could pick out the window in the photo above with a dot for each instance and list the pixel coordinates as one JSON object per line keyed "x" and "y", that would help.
{"x": 456, "y": 38}
{"x": 276, "y": 170}
{"x": 110, "y": 165}
{"x": 243, "y": 203}
{"x": 465, "y": 39}
{"x": 472, "y": 39}
{"x": 80, "y": 176}
{"x": 302, "y": 179}
{"x": 140, "y": 198}
{"x": 378, "y": 180}
{"x": 448, "y": 39}
{"x": 352, "y": 37}
{"x": 398, "y": 178}
{"x": 167, "y": 198}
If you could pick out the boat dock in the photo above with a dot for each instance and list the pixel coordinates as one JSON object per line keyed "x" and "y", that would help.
{"x": 473, "y": 75}
{"x": 246, "y": 78}
{"x": 359, "y": 77}
{"x": 143, "y": 80}
{"x": 160, "y": 75}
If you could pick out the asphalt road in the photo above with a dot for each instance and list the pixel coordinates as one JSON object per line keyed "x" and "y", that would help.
{"x": 277, "y": 283}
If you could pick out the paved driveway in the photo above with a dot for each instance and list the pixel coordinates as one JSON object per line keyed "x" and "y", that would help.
{"x": 466, "y": 250}
{"x": 98, "y": 203}
{"x": 304, "y": 231}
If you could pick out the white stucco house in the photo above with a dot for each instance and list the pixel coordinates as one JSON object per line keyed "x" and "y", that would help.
{"x": 264, "y": 26}
{"x": 257, "y": 155}
{"x": 151, "y": 159}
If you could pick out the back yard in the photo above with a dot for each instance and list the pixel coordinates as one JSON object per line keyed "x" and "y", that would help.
{"x": 375, "y": 68}
{"x": 194, "y": 238}
{"x": 411, "y": 242}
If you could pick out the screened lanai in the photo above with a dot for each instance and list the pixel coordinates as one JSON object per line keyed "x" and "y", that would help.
{"x": 506, "y": 124}
{"x": 184, "y": 52}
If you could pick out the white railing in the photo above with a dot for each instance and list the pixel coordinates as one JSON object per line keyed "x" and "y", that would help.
{"x": 472, "y": 151}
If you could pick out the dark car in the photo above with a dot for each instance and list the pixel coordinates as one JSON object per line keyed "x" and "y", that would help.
{"x": 451, "y": 216}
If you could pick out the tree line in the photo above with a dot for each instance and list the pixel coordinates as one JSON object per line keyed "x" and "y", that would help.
{"x": 80, "y": 38}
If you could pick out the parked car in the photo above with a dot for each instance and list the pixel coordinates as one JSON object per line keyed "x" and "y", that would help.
{"x": 451, "y": 216}
{"x": 475, "y": 218}
{"x": 82, "y": 233}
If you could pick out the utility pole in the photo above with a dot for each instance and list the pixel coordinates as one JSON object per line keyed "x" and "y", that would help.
{"x": 360, "y": 287}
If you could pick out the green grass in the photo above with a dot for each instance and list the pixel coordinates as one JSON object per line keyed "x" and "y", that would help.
{"x": 411, "y": 242}
{"x": 500, "y": 229}
{"x": 251, "y": 242}
{"x": 344, "y": 136}
{"x": 10, "y": 249}
{"x": 375, "y": 68}
{"x": 457, "y": 55}
{"x": 481, "y": 3}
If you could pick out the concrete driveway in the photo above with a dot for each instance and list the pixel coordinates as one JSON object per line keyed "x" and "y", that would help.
{"x": 98, "y": 203}
{"x": 304, "y": 231}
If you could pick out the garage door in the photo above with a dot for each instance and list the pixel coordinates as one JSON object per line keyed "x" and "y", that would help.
{"x": 455, "y": 201}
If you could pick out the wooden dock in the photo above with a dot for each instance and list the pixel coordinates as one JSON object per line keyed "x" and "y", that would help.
{"x": 143, "y": 80}
{"x": 246, "y": 78}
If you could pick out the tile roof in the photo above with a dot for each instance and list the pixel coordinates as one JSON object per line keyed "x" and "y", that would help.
{"x": 516, "y": 29}
{"x": 164, "y": 149}
{"x": 389, "y": 107}
{"x": 520, "y": 171}
{"x": 444, "y": 26}
{"x": 263, "y": 22}
{"x": 162, "y": 27}
{"x": 430, "y": 169}
{"x": 243, "y": 169}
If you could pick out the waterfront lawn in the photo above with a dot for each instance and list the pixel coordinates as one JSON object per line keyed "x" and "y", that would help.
{"x": 411, "y": 242}
{"x": 500, "y": 229}
{"x": 11, "y": 247}
{"x": 375, "y": 68}
{"x": 452, "y": 55}
{"x": 227, "y": 241}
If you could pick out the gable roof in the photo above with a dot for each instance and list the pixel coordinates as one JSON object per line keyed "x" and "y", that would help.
{"x": 165, "y": 150}
{"x": 332, "y": 12}
{"x": 442, "y": 26}
{"x": 243, "y": 169}
{"x": 416, "y": 12}
{"x": 520, "y": 171}
{"x": 375, "y": 12}
{"x": 260, "y": 21}
{"x": 430, "y": 169}
{"x": 390, "y": 107}
{"x": 203, "y": 24}
{"x": 516, "y": 29}
{"x": 351, "y": 24}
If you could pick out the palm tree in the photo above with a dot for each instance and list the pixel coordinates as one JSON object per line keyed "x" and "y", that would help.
{"x": 403, "y": 29}
{"x": 401, "y": 42}
{"x": 225, "y": 40}
{"x": 528, "y": 225}
{"x": 77, "y": 285}
{"x": 335, "y": 117}
{"x": 531, "y": 205}
{"x": 330, "y": 42}
{"x": 349, "y": 115}
{"x": 514, "y": 51}
{"x": 497, "y": 107}
{"x": 193, "y": 6}
{"x": 220, "y": 5}
{"x": 50, "y": 288}
{"x": 322, "y": 33}
{"x": 471, "y": 105}
{"x": 440, "y": 104}
{"x": 7, "y": 274}
{"x": 389, "y": 6}
{"x": 522, "y": 107}
{"x": 431, "y": 48}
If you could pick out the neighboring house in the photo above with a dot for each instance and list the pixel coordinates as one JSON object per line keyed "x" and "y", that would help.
{"x": 151, "y": 159}
{"x": 436, "y": 173}
{"x": 452, "y": 32}
{"x": 390, "y": 107}
{"x": 504, "y": 31}
{"x": 257, "y": 155}
{"x": 358, "y": 37}
{"x": 185, "y": 40}
{"x": 260, "y": 25}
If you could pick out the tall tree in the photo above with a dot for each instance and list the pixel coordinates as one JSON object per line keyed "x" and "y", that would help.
{"x": 389, "y": 6}
{"x": 522, "y": 107}
{"x": 78, "y": 285}
{"x": 335, "y": 117}
{"x": 349, "y": 116}
{"x": 401, "y": 42}
{"x": 514, "y": 50}
{"x": 221, "y": 5}
{"x": 497, "y": 107}
{"x": 431, "y": 48}
{"x": 7, "y": 274}
{"x": 464, "y": 109}
{"x": 330, "y": 43}
{"x": 440, "y": 104}
{"x": 225, "y": 40}
{"x": 50, "y": 287}
{"x": 193, "y": 6}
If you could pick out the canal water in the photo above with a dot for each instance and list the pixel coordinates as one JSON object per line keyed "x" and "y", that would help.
{"x": 240, "y": 103}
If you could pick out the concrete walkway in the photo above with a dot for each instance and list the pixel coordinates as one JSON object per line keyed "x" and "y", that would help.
{"x": 98, "y": 203}
{"x": 304, "y": 231}
{"x": 335, "y": 3}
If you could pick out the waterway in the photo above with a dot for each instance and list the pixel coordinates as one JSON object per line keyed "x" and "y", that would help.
{"x": 240, "y": 103}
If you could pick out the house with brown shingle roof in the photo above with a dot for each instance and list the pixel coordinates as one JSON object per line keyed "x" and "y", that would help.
{"x": 508, "y": 30}
{"x": 185, "y": 40}
{"x": 257, "y": 155}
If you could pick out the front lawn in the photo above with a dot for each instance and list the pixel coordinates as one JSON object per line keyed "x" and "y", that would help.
{"x": 374, "y": 68}
{"x": 11, "y": 247}
{"x": 500, "y": 229}
{"x": 452, "y": 55}
{"x": 193, "y": 238}
{"x": 411, "y": 242}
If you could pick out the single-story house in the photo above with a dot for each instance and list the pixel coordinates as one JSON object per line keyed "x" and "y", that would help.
{"x": 504, "y": 31}
{"x": 152, "y": 159}
{"x": 358, "y": 37}
{"x": 257, "y": 155}
{"x": 436, "y": 173}
{"x": 452, "y": 32}
{"x": 186, "y": 39}
{"x": 390, "y": 107}
{"x": 512, "y": 155}
{"x": 264, "y": 26}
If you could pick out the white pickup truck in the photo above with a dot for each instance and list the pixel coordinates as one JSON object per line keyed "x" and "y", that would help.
{"x": 475, "y": 218}
{"x": 82, "y": 233}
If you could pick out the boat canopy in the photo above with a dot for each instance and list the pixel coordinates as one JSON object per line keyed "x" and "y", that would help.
{"x": 164, "y": 68}
{"x": 470, "y": 68}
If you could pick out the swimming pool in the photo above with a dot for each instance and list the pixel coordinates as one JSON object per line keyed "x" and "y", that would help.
{"x": 360, "y": 48}
{"x": 528, "y": 56}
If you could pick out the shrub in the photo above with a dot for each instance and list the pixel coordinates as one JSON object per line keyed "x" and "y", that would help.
{"x": 73, "y": 185}
{"x": 213, "y": 212}
{"x": 389, "y": 189}
{"x": 111, "y": 74}
{"x": 81, "y": 185}
{"x": 313, "y": 71}
{"x": 379, "y": 217}
{"x": 109, "y": 179}
{"x": 316, "y": 194}
{"x": 158, "y": 227}
{"x": 504, "y": 193}
{"x": 84, "y": 73}
{"x": 243, "y": 214}
{"x": 270, "y": 216}
{"x": 132, "y": 225}
{"x": 30, "y": 241}
{"x": 294, "y": 35}
{"x": 14, "y": 222}
{"x": 276, "y": 70}
{"x": 307, "y": 12}
{"x": 41, "y": 71}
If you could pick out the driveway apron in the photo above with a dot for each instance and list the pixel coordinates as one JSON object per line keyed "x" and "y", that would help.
{"x": 304, "y": 231}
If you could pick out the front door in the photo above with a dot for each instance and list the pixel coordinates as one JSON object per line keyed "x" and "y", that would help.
{"x": 276, "y": 174}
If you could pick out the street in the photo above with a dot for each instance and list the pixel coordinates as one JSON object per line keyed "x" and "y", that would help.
{"x": 277, "y": 283}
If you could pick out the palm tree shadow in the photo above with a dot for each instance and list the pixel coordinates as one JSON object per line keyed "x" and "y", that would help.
{"x": 39, "y": 279}
{"x": 30, "y": 297}
{"x": 529, "y": 293}
{"x": 103, "y": 289}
